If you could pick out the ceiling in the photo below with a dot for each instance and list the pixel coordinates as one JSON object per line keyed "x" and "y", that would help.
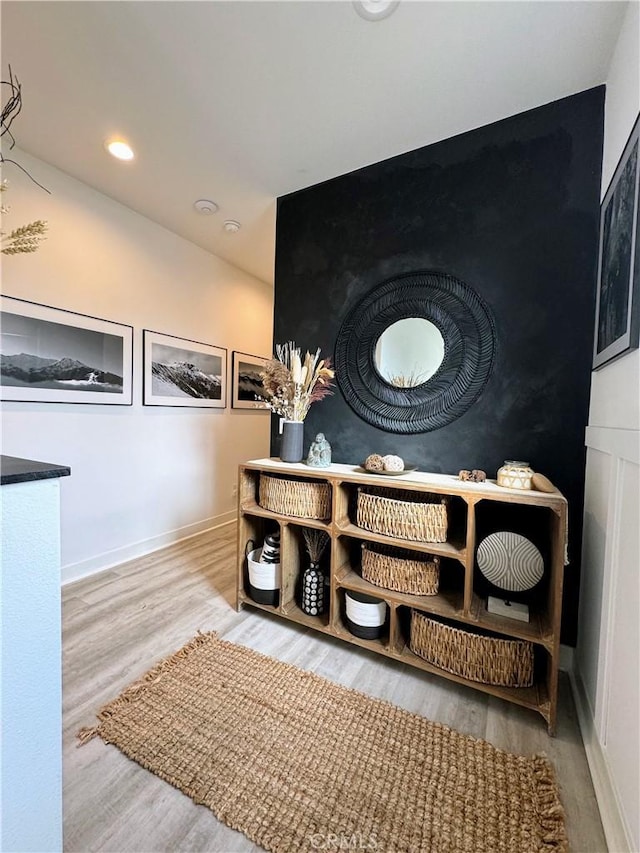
{"x": 241, "y": 102}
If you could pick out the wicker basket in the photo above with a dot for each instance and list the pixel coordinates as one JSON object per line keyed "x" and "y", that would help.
{"x": 402, "y": 571}
{"x": 490, "y": 660}
{"x": 419, "y": 517}
{"x": 299, "y": 498}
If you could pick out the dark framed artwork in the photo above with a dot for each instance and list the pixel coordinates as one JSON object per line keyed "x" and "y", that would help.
{"x": 48, "y": 355}
{"x": 180, "y": 372}
{"x": 618, "y": 294}
{"x": 246, "y": 384}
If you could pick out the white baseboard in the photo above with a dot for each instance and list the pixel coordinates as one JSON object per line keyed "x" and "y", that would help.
{"x": 613, "y": 823}
{"x": 107, "y": 560}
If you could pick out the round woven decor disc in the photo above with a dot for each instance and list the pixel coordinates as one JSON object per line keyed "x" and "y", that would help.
{"x": 510, "y": 561}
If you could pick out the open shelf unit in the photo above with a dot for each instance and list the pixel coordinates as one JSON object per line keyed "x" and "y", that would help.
{"x": 460, "y": 601}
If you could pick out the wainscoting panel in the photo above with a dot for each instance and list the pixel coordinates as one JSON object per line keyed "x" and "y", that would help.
{"x": 608, "y": 653}
{"x": 622, "y": 690}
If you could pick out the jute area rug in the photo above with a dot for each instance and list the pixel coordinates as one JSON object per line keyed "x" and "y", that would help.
{"x": 296, "y": 762}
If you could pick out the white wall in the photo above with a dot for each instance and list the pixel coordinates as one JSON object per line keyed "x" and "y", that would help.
{"x": 614, "y": 388}
{"x": 140, "y": 476}
{"x": 608, "y": 653}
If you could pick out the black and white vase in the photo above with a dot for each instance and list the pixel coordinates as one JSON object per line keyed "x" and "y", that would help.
{"x": 313, "y": 591}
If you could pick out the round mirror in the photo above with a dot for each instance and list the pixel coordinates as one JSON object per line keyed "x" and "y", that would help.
{"x": 409, "y": 352}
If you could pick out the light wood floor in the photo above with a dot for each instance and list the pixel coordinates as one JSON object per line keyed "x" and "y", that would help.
{"x": 118, "y": 623}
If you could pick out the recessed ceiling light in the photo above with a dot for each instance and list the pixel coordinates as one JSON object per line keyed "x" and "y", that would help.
{"x": 231, "y": 226}
{"x": 375, "y": 10}
{"x": 119, "y": 148}
{"x": 205, "y": 206}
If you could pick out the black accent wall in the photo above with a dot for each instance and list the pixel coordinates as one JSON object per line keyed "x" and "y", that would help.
{"x": 512, "y": 209}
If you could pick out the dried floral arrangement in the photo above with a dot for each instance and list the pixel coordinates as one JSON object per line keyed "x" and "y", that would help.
{"x": 27, "y": 238}
{"x": 408, "y": 380}
{"x": 292, "y": 384}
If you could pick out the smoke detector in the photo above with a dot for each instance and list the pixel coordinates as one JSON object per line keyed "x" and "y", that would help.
{"x": 205, "y": 207}
{"x": 375, "y": 10}
{"x": 231, "y": 226}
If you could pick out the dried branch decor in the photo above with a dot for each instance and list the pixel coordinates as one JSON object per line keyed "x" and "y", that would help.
{"x": 315, "y": 542}
{"x": 292, "y": 384}
{"x": 11, "y": 109}
{"x": 24, "y": 239}
{"x": 28, "y": 237}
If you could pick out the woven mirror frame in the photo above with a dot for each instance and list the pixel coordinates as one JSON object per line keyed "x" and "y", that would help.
{"x": 468, "y": 330}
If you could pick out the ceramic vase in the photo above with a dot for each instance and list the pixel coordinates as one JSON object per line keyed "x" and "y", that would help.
{"x": 313, "y": 599}
{"x": 291, "y": 441}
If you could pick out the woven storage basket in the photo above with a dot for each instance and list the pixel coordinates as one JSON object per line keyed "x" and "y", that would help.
{"x": 300, "y": 498}
{"x": 490, "y": 660}
{"x": 402, "y": 571}
{"x": 419, "y": 517}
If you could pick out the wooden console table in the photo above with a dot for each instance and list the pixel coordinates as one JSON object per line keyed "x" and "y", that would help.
{"x": 475, "y": 510}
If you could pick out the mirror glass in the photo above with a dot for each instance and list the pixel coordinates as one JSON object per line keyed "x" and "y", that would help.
{"x": 409, "y": 352}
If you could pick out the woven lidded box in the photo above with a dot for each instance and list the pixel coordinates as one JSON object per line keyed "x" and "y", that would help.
{"x": 400, "y": 570}
{"x": 299, "y": 498}
{"x": 417, "y": 516}
{"x": 478, "y": 657}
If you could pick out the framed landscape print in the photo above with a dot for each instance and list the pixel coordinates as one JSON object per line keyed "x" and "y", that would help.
{"x": 48, "y": 355}
{"x": 180, "y": 372}
{"x": 247, "y": 383}
{"x": 618, "y": 294}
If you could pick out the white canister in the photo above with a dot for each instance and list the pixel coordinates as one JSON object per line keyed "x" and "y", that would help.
{"x": 262, "y": 575}
{"x": 365, "y": 610}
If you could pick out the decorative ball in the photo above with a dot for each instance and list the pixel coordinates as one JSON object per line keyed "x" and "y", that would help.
{"x": 392, "y": 463}
{"x": 374, "y": 462}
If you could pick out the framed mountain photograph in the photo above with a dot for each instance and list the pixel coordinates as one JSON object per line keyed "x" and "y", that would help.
{"x": 246, "y": 384}
{"x": 180, "y": 372}
{"x": 48, "y": 355}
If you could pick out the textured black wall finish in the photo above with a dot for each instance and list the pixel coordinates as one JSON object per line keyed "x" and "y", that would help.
{"x": 512, "y": 209}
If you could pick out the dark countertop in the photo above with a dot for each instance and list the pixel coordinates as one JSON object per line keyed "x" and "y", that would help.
{"x": 13, "y": 469}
